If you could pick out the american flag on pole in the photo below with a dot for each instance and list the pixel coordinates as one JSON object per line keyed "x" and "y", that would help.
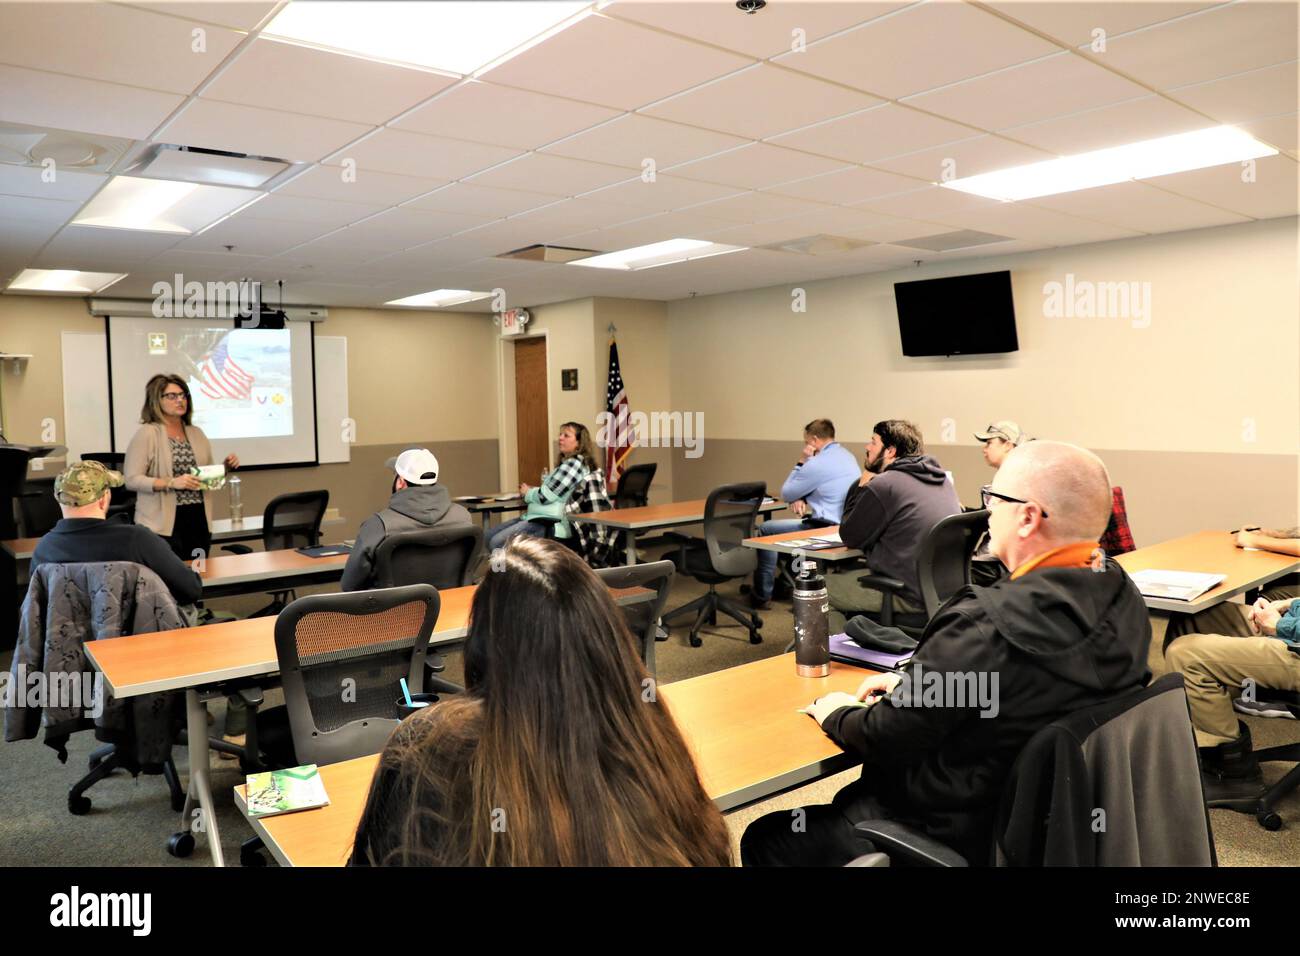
{"x": 221, "y": 377}
{"x": 620, "y": 437}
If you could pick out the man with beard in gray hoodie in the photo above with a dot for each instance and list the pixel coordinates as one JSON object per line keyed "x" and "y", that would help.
{"x": 418, "y": 503}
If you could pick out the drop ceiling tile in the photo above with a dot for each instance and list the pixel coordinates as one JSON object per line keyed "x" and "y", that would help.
{"x": 416, "y": 154}
{"x": 760, "y": 102}
{"x": 238, "y": 14}
{"x": 255, "y": 237}
{"x": 289, "y": 208}
{"x": 642, "y": 232}
{"x": 341, "y": 249}
{"x": 56, "y": 211}
{"x": 1132, "y": 122}
{"x": 482, "y": 201}
{"x": 250, "y": 129}
{"x": 1277, "y": 131}
{"x": 762, "y": 35}
{"x": 1023, "y": 221}
{"x": 848, "y": 186}
{"x": 1223, "y": 40}
{"x": 632, "y": 139}
{"x": 882, "y": 228}
{"x": 101, "y": 247}
{"x": 173, "y": 261}
{"x": 873, "y": 134}
{"x": 574, "y": 215}
{"x": 553, "y": 175}
{"x": 663, "y": 193}
{"x": 837, "y": 221}
{"x": 369, "y": 187}
{"x": 1052, "y": 86}
{"x": 758, "y": 207}
{"x": 29, "y": 181}
{"x": 614, "y": 63}
{"x": 1073, "y": 23}
{"x": 323, "y": 83}
{"x": 970, "y": 157}
{"x": 116, "y": 44}
{"x": 20, "y": 238}
{"x": 756, "y": 166}
{"x": 1245, "y": 96}
{"x": 1271, "y": 193}
{"x": 1139, "y": 206}
{"x": 919, "y": 48}
{"x": 502, "y": 116}
{"x": 407, "y": 227}
{"x": 931, "y": 203}
{"x": 71, "y": 103}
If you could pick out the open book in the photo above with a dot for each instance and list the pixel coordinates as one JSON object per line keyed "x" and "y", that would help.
{"x": 285, "y": 791}
{"x": 1175, "y": 585}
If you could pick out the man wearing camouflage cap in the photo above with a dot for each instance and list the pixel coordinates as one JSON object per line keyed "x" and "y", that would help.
{"x": 83, "y": 492}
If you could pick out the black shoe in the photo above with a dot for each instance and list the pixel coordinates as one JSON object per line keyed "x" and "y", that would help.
{"x": 759, "y": 603}
{"x": 1223, "y": 791}
{"x": 1230, "y": 772}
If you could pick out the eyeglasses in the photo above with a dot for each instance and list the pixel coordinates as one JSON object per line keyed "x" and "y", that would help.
{"x": 987, "y": 493}
{"x": 175, "y": 396}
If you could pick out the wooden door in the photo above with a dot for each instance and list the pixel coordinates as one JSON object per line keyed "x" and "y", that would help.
{"x": 533, "y": 432}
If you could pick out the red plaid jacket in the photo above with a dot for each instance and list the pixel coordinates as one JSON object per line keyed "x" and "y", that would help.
{"x": 1117, "y": 538}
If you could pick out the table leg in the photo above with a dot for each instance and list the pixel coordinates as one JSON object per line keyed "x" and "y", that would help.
{"x": 200, "y": 788}
{"x": 631, "y": 547}
{"x": 487, "y": 521}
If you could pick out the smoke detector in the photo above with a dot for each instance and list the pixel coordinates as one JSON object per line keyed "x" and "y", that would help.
{"x": 37, "y": 146}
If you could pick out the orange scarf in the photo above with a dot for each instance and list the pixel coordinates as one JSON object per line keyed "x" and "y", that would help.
{"x": 1077, "y": 555}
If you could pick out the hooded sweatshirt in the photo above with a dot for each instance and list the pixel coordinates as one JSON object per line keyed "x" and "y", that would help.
{"x": 413, "y": 508}
{"x": 889, "y": 519}
{"x": 1044, "y": 645}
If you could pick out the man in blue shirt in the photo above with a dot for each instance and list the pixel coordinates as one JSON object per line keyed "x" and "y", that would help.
{"x": 815, "y": 489}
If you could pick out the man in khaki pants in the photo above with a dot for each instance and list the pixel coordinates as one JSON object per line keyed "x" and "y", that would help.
{"x": 1234, "y": 648}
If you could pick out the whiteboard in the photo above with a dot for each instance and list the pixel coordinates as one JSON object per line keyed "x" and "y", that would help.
{"x": 334, "y": 437}
{"x": 85, "y": 393}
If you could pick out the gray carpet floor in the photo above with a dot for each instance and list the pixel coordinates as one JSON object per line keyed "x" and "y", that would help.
{"x": 132, "y": 818}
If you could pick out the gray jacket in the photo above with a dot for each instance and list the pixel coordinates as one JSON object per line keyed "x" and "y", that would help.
{"x": 66, "y": 606}
{"x": 413, "y": 508}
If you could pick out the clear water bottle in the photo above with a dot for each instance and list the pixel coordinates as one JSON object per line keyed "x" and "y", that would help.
{"x": 236, "y": 503}
{"x": 812, "y": 639}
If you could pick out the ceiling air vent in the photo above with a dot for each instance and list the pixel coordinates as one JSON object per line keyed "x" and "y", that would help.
{"x": 544, "y": 253}
{"x": 36, "y": 146}
{"x": 212, "y": 167}
{"x": 819, "y": 245}
{"x": 947, "y": 241}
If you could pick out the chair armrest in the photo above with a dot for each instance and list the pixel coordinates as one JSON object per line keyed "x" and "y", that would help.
{"x": 237, "y": 548}
{"x": 893, "y": 838}
{"x": 882, "y": 583}
{"x": 253, "y": 696}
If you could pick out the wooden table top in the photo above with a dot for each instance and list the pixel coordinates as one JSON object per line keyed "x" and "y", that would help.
{"x": 777, "y": 543}
{"x": 20, "y": 548}
{"x": 741, "y": 724}
{"x": 222, "y": 570}
{"x": 660, "y": 516}
{"x": 1209, "y": 552}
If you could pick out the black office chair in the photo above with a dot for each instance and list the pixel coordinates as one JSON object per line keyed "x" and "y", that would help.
{"x": 643, "y": 617}
{"x": 441, "y": 557}
{"x": 943, "y": 569}
{"x": 1139, "y": 763}
{"x": 634, "y": 487}
{"x": 122, "y": 502}
{"x": 729, "y": 516}
{"x": 1263, "y": 806}
{"x": 289, "y": 521}
{"x": 38, "y": 509}
{"x": 571, "y": 542}
{"x": 341, "y": 659}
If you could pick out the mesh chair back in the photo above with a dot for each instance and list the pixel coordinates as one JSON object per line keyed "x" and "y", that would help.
{"x": 729, "y": 517}
{"x": 341, "y": 658}
{"x": 643, "y": 616}
{"x": 634, "y": 486}
{"x": 442, "y": 557}
{"x": 293, "y": 520}
{"x": 943, "y": 566}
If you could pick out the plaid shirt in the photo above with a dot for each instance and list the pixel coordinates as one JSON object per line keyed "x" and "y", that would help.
{"x": 1117, "y": 538}
{"x": 551, "y": 499}
{"x": 601, "y": 546}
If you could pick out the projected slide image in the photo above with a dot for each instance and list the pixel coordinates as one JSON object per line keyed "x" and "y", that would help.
{"x": 241, "y": 380}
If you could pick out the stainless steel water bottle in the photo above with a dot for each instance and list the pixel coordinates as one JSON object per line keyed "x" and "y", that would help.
{"x": 812, "y": 638}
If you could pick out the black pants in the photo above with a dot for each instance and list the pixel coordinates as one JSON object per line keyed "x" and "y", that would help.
{"x": 190, "y": 533}
{"x": 820, "y": 835}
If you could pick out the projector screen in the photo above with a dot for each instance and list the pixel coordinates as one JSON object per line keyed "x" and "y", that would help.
{"x": 254, "y": 390}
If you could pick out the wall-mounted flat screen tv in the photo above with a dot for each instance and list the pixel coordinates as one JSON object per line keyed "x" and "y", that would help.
{"x": 959, "y": 315}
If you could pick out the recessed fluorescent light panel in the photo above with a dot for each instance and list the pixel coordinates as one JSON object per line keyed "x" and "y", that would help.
{"x": 157, "y": 205}
{"x": 1216, "y": 146}
{"x": 63, "y": 281}
{"x": 439, "y": 298}
{"x": 454, "y": 37}
{"x": 658, "y": 254}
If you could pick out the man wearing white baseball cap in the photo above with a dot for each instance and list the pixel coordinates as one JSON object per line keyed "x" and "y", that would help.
{"x": 418, "y": 502}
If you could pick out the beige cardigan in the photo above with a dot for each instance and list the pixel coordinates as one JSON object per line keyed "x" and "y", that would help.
{"x": 149, "y": 456}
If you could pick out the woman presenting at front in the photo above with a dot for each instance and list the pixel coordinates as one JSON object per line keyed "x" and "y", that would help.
{"x": 169, "y": 499}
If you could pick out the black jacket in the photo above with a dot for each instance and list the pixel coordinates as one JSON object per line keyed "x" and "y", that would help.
{"x": 1056, "y": 640}
{"x": 413, "y": 508}
{"x": 889, "y": 519}
{"x": 79, "y": 540}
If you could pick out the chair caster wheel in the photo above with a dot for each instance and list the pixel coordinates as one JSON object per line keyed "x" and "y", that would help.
{"x": 180, "y": 844}
{"x": 695, "y": 641}
{"x": 250, "y": 857}
{"x": 1269, "y": 819}
{"x": 178, "y": 803}
{"x": 755, "y": 637}
{"x": 79, "y": 805}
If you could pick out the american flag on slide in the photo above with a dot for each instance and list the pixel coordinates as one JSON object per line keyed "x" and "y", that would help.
{"x": 619, "y": 434}
{"x": 221, "y": 377}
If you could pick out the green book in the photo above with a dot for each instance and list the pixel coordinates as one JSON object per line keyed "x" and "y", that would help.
{"x": 285, "y": 791}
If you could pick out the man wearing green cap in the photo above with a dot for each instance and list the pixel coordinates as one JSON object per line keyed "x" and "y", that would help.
{"x": 83, "y": 493}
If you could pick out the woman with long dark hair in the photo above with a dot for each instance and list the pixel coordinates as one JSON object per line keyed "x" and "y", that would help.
{"x": 558, "y": 754}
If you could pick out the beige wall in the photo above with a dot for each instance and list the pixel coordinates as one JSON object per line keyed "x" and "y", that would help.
{"x": 34, "y": 325}
{"x": 1198, "y": 414}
